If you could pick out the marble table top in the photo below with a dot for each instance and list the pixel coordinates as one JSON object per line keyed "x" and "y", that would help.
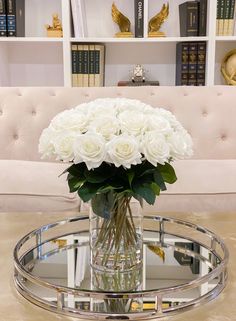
{"x": 14, "y": 307}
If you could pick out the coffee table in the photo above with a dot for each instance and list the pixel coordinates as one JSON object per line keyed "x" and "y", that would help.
{"x": 15, "y": 225}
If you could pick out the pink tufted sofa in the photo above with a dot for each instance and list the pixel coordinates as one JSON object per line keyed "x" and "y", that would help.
{"x": 205, "y": 183}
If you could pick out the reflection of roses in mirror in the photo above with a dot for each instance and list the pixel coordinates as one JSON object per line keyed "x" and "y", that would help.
{"x": 119, "y": 145}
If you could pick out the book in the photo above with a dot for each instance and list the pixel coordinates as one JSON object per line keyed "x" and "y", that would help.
{"x": 217, "y": 17}
{"x": 91, "y": 80}
{"x": 226, "y": 18}
{"x": 188, "y": 17}
{"x": 139, "y": 17}
{"x": 192, "y": 64}
{"x": 80, "y": 68}
{"x": 79, "y": 18}
{"x": 3, "y": 19}
{"x": 85, "y": 67}
{"x": 202, "y": 18}
{"x": 15, "y": 18}
{"x": 231, "y": 18}
{"x": 99, "y": 59}
{"x": 201, "y": 63}
{"x": 127, "y": 83}
{"x": 74, "y": 64}
{"x": 221, "y": 17}
{"x": 181, "y": 74}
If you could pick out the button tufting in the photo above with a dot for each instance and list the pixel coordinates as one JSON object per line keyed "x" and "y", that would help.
{"x": 152, "y": 94}
{"x": 15, "y": 136}
{"x": 223, "y": 137}
{"x": 1, "y": 112}
{"x": 33, "y": 112}
{"x": 53, "y": 94}
{"x": 204, "y": 113}
{"x": 118, "y": 94}
{"x": 19, "y": 94}
{"x": 185, "y": 94}
{"x": 219, "y": 94}
{"x": 86, "y": 95}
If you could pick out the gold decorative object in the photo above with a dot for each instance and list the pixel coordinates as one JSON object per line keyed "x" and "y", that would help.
{"x": 122, "y": 21}
{"x": 155, "y": 23}
{"x": 56, "y": 29}
{"x": 228, "y": 67}
{"x": 157, "y": 250}
{"x": 60, "y": 243}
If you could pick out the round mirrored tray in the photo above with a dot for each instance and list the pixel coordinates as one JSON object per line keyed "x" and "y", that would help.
{"x": 184, "y": 265}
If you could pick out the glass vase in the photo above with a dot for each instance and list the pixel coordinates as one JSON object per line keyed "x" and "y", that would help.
{"x": 116, "y": 246}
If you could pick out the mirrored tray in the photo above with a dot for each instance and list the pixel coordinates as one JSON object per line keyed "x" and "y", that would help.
{"x": 52, "y": 270}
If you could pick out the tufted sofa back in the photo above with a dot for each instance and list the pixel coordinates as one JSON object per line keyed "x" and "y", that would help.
{"x": 208, "y": 113}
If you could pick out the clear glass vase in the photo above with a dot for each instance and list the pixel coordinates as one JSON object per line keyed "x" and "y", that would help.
{"x": 116, "y": 245}
{"x": 116, "y": 242}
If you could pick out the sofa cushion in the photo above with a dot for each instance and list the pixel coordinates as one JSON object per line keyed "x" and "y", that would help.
{"x": 204, "y": 177}
{"x": 34, "y": 186}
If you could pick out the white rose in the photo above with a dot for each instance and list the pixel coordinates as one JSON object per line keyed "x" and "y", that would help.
{"x": 70, "y": 120}
{"x": 132, "y": 122}
{"x": 180, "y": 143}
{"x": 158, "y": 123}
{"x": 46, "y": 146}
{"x": 90, "y": 148}
{"x": 100, "y": 107}
{"x": 124, "y": 104}
{"x": 107, "y": 126}
{"x": 155, "y": 148}
{"x": 63, "y": 144}
{"x": 123, "y": 151}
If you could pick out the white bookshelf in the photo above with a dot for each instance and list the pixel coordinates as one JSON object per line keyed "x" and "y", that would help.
{"x": 37, "y": 60}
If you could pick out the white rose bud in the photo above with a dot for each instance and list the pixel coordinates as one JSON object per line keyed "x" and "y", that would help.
{"x": 90, "y": 148}
{"x": 124, "y": 151}
{"x": 155, "y": 148}
{"x": 46, "y": 146}
{"x": 107, "y": 126}
{"x": 132, "y": 122}
{"x": 180, "y": 144}
{"x": 63, "y": 144}
{"x": 70, "y": 120}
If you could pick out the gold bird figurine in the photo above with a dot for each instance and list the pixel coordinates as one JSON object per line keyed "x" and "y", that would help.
{"x": 156, "y": 22}
{"x": 122, "y": 21}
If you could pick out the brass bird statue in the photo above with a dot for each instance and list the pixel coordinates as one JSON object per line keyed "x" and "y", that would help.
{"x": 122, "y": 21}
{"x": 157, "y": 250}
{"x": 156, "y": 22}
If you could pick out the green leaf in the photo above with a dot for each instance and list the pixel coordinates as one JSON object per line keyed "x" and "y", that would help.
{"x": 146, "y": 192}
{"x": 74, "y": 183}
{"x": 156, "y": 189}
{"x": 77, "y": 170}
{"x": 102, "y": 204}
{"x": 130, "y": 175}
{"x": 87, "y": 191}
{"x": 159, "y": 179}
{"x": 100, "y": 174}
{"x": 168, "y": 173}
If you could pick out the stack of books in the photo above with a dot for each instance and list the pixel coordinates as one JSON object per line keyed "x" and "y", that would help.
{"x": 193, "y": 18}
{"x": 12, "y": 18}
{"x": 190, "y": 63}
{"x": 88, "y": 63}
{"x": 225, "y": 17}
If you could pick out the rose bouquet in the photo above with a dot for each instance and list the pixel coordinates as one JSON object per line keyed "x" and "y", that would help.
{"x": 119, "y": 149}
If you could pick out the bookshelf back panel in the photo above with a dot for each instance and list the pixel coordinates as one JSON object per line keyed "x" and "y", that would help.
{"x": 38, "y": 14}
{"x": 222, "y": 48}
{"x": 35, "y": 64}
{"x": 98, "y": 15}
{"x": 157, "y": 59}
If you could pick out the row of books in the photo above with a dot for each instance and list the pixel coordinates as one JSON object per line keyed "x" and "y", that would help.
{"x": 193, "y": 18}
{"x": 225, "y": 17}
{"x": 190, "y": 63}
{"x": 88, "y": 63}
{"x": 12, "y": 18}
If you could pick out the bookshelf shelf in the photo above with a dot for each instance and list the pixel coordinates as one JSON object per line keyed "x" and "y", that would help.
{"x": 138, "y": 40}
{"x": 157, "y": 55}
{"x": 30, "y": 39}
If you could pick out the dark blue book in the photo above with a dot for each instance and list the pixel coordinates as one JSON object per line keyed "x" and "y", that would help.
{"x": 3, "y": 19}
{"x": 15, "y": 18}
